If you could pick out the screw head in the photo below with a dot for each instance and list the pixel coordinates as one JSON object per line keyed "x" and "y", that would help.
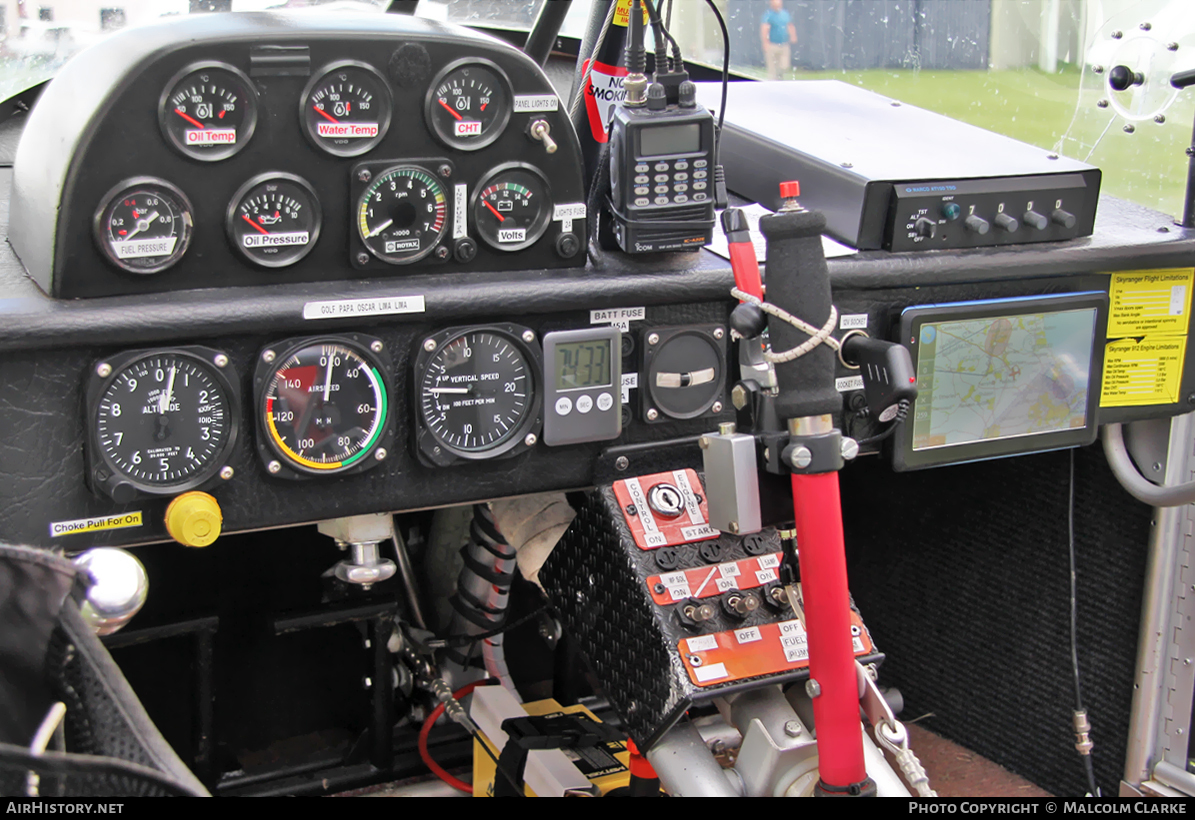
{"x": 652, "y": 414}
{"x": 1145, "y": 26}
{"x": 381, "y": 454}
{"x": 530, "y": 439}
{"x": 694, "y": 660}
{"x": 1051, "y": 156}
{"x": 719, "y": 333}
{"x": 717, "y": 407}
{"x": 1098, "y": 69}
{"x": 444, "y": 170}
{"x": 848, "y": 165}
{"x": 362, "y": 258}
{"x": 1159, "y": 118}
{"x": 528, "y": 336}
{"x": 1172, "y": 46}
{"x": 273, "y": 466}
{"x": 225, "y": 472}
{"x": 1101, "y": 103}
{"x": 268, "y": 356}
{"x": 792, "y": 728}
{"x": 734, "y": 527}
{"x": 653, "y": 338}
{"x": 659, "y": 589}
{"x": 429, "y": 345}
{"x": 103, "y": 369}
{"x": 1116, "y": 35}
{"x": 738, "y": 397}
{"x": 1130, "y": 128}
{"x": 801, "y": 457}
{"x": 375, "y": 346}
{"x": 442, "y": 252}
{"x": 704, "y": 442}
{"x": 220, "y": 360}
{"x": 813, "y": 688}
{"x": 621, "y": 463}
{"x": 364, "y": 175}
{"x": 849, "y": 448}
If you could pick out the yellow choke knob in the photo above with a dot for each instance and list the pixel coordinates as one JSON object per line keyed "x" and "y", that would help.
{"x": 193, "y": 519}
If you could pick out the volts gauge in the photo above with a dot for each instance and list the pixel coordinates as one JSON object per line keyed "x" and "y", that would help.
{"x": 346, "y": 109}
{"x": 323, "y": 405}
{"x": 160, "y": 421}
{"x": 143, "y": 225}
{"x": 208, "y": 111}
{"x": 468, "y": 104}
{"x": 402, "y": 214}
{"x": 512, "y": 207}
{"x": 274, "y": 219}
{"x": 478, "y": 393}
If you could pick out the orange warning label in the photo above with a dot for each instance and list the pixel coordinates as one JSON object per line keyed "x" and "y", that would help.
{"x": 665, "y": 509}
{"x": 708, "y": 581}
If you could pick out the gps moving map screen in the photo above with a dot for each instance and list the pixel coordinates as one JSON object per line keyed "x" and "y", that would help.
{"x": 999, "y": 378}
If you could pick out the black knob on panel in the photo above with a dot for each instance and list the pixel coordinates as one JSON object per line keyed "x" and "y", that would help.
{"x": 1063, "y": 218}
{"x": 1007, "y": 223}
{"x": 748, "y": 320}
{"x": 1035, "y": 220}
{"x": 977, "y": 224}
{"x": 926, "y": 228}
{"x": 1121, "y": 77}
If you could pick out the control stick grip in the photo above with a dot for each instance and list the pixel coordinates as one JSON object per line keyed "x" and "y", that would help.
{"x": 798, "y": 281}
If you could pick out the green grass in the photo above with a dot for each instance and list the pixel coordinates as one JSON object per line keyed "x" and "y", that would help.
{"x": 1148, "y": 166}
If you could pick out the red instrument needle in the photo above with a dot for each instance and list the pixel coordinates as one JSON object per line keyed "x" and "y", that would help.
{"x": 326, "y": 115}
{"x": 189, "y": 119}
{"x": 448, "y": 108}
{"x": 254, "y": 224}
{"x": 494, "y": 211}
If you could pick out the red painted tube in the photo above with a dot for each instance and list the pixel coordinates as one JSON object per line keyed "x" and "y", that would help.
{"x": 746, "y": 268}
{"x": 818, "y": 512}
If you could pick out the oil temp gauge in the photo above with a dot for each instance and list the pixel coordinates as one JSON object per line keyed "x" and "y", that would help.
{"x": 208, "y": 111}
{"x": 346, "y": 109}
{"x": 274, "y": 219}
{"x": 512, "y": 207}
{"x": 143, "y": 225}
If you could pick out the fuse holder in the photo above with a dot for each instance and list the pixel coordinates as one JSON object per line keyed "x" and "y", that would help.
{"x": 193, "y": 519}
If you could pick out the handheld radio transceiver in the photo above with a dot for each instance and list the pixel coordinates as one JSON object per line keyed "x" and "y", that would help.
{"x": 662, "y": 176}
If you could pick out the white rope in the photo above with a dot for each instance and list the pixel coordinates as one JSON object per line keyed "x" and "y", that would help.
{"x": 816, "y": 336}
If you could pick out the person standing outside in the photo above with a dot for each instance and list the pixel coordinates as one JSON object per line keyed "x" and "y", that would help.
{"x": 778, "y": 35}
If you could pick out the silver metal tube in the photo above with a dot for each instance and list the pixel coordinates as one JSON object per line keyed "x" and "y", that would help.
{"x": 1145, "y": 722}
{"x": 810, "y": 425}
{"x": 687, "y": 768}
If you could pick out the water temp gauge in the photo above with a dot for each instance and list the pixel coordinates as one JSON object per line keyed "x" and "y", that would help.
{"x": 274, "y": 219}
{"x": 143, "y": 225}
{"x": 512, "y": 207}
{"x": 346, "y": 109}
{"x": 208, "y": 111}
{"x": 468, "y": 105}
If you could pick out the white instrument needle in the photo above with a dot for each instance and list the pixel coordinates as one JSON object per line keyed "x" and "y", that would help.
{"x": 461, "y": 390}
{"x": 328, "y": 380}
{"x": 164, "y": 401}
{"x": 142, "y": 225}
{"x": 380, "y": 228}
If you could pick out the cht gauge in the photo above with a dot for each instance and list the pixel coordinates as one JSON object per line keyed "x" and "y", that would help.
{"x": 468, "y": 104}
{"x": 143, "y": 225}
{"x": 402, "y": 214}
{"x": 323, "y": 405}
{"x": 478, "y": 393}
{"x": 208, "y": 111}
{"x": 346, "y": 109}
{"x": 160, "y": 421}
{"x": 512, "y": 207}
{"x": 274, "y": 219}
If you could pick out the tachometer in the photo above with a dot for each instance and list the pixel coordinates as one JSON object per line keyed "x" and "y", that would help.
{"x": 274, "y": 219}
{"x": 161, "y": 421}
{"x": 208, "y": 111}
{"x": 346, "y": 109}
{"x": 144, "y": 225}
{"x": 468, "y": 104}
{"x": 323, "y": 405}
{"x": 478, "y": 393}
{"x": 402, "y": 214}
{"x": 512, "y": 207}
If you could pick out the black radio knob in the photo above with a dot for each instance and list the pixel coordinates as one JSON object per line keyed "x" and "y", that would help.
{"x": 1063, "y": 218}
{"x": 1035, "y": 220}
{"x": 1007, "y": 223}
{"x": 925, "y": 228}
{"x": 977, "y": 224}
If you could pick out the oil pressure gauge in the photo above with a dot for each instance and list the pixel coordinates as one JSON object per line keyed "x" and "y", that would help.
{"x": 323, "y": 405}
{"x": 208, "y": 111}
{"x": 468, "y": 104}
{"x": 274, "y": 219}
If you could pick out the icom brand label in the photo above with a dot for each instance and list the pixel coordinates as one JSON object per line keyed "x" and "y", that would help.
{"x": 104, "y": 522}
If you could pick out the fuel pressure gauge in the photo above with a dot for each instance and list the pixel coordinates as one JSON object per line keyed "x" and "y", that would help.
{"x": 468, "y": 104}
{"x": 143, "y": 225}
{"x": 274, "y": 219}
{"x": 512, "y": 207}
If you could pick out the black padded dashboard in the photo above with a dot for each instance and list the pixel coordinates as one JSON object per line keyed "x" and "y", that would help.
{"x": 49, "y": 346}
